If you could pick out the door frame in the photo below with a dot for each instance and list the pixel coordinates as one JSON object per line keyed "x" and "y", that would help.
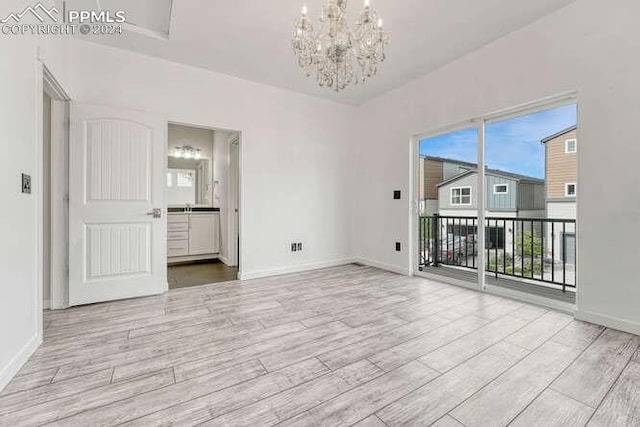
{"x": 480, "y": 121}
{"x": 234, "y": 219}
{"x": 238, "y": 250}
{"x": 60, "y": 108}
{"x": 47, "y": 83}
{"x": 414, "y": 213}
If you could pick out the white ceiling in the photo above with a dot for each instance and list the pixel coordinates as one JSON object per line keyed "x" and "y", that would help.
{"x": 251, "y": 39}
{"x": 153, "y": 15}
{"x": 151, "y": 18}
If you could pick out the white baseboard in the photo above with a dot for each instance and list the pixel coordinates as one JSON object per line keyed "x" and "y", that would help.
{"x": 46, "y": 304}
{"x": 608, "y": 321}
{"x": 9, "y": 371}
{"x": 294, "y": 269}
{"x": 224, "y": 259}
{"x": 383, "y": 266}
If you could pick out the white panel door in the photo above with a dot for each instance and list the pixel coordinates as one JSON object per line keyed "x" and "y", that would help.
{"x": 117, "y": 248}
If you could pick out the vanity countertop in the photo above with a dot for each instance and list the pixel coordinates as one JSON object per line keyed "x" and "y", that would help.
{"x": 193, "y": 209}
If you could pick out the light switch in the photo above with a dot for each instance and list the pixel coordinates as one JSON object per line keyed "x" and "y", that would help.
{"x": 26, "y": 183}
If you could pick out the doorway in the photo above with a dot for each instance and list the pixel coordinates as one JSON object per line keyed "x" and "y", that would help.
{"x": 54, "y": 184}
{"x": 202, "y": 205}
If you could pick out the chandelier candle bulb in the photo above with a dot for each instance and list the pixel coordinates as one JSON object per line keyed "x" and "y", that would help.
{"x": 380, "y": 23}
{"x": 304, "y": 10}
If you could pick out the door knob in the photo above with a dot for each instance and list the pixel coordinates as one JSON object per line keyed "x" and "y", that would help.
{"x": 156, "y": 213}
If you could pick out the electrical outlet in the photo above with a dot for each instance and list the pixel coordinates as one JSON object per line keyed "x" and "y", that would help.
{"x": 300, "y": 247}
{"x": 397, "y": 195}
{"x": 398, "y": 247}
{"x": 294, "y": 247}
{"x": 26, "y": 183}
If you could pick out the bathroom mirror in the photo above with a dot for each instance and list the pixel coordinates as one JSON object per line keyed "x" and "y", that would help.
{"x": 190, "y": 166}
{"x": 188, "y": 182}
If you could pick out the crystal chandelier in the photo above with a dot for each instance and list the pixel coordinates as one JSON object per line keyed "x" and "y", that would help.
{"x": 338, "y": 56}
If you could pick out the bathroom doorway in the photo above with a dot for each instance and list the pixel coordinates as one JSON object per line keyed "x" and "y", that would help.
{"x": 202, "y": 197}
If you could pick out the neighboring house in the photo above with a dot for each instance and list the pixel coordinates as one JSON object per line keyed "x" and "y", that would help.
{"x": 561, "y": 154}
{"x": 561, "y": 173}
{"x": 434, "y": 170}
{"x": 508, "y": 195}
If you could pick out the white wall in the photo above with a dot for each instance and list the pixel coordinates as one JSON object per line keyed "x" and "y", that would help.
{"x": 295, "y": 148}
{"x": 20, "y": 115}
{"x": 18, "y": 220}
{"x": 590, "y": 46}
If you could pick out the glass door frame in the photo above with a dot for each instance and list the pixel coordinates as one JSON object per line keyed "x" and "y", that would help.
{"x": 480, "y": 123}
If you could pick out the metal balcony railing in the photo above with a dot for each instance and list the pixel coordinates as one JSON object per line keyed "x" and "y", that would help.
{"x": 536, "y": 249}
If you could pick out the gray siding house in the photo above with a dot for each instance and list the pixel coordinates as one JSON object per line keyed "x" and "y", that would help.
{"x": 434, "y": 170}
{"x": 507, "y": 195}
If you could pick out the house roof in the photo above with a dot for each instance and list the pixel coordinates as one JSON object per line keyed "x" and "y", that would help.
{"x": 562, "y": 132}
{"x": 447, "y": 160}
{"x": 494, "y": 172}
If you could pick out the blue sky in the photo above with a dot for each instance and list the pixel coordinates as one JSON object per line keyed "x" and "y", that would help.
{"x": 512, "y": 145}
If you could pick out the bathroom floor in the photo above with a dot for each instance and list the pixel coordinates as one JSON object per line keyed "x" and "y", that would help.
{"x": 200, "y": 273}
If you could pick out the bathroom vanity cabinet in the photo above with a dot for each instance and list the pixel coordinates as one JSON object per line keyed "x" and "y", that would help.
{"x": 193, "y": 236}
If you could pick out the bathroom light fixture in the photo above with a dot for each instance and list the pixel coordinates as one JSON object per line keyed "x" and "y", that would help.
{"x": 186, "y": 152}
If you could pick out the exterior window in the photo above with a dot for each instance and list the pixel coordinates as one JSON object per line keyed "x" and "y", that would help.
{"x": 184, "y": 179}
{"x": 570, "y": 190}
{"x": 501, "y": 189}
{"x": 461, "y": 196}
{"x": 180, "y": 178}
{"x": 571, "y": 146}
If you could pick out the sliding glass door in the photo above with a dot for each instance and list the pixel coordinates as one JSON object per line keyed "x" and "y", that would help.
{"x": 497, "y": 201}
{"x": 447, "y": 200}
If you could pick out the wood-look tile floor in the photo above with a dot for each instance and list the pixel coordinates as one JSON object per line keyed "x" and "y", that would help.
{"x": 343, "y": 346}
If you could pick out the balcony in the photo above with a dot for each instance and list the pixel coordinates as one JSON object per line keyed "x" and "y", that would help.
{"x": 532, "y": 255}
